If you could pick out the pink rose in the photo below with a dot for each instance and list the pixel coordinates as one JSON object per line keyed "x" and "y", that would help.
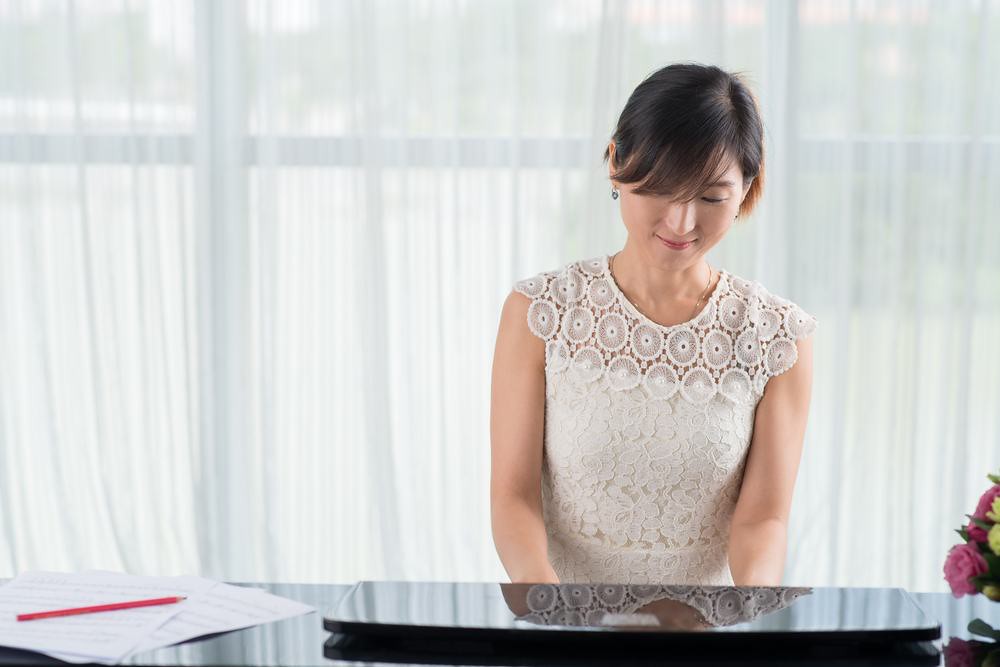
{"x": 959, "y": 653}
{"x": 964, "y": 562}
{"x": 985, "y": 503}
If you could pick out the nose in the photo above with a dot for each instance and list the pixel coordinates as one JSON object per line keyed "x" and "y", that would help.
{"x": 680, "y": 218}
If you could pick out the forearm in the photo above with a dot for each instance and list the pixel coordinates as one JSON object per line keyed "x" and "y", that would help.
{"x": 521, "y": 542}
{"x": 757, "y": 553}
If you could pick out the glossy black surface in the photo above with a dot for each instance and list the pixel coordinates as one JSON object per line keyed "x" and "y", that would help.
{"x": 562, "y": 624}
{"x": 727, "y": 612}
{"x": 300, "y": 641}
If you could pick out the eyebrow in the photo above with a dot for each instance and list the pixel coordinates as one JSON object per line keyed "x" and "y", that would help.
{"x": 722, "y": 182}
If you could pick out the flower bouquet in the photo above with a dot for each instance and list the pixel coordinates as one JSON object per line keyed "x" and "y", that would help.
{"x": 974, "y": 567}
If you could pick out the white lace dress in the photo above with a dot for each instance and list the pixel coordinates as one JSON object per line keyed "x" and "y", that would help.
{"x": 647, "y": 427}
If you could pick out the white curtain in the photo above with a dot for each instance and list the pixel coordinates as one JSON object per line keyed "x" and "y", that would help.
{"x": 252, "y": 257}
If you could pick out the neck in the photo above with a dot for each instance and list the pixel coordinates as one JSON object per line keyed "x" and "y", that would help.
{"x": 654, "y": 286}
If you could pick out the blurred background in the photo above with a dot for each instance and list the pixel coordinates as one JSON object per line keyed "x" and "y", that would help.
{"x": 252, "y": 257}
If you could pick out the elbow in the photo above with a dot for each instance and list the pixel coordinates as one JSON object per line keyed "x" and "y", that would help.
{"x": 772, "y": 523}
{"x": 757, "y": 552}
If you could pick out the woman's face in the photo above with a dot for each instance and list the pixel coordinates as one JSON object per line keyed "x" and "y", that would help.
{"x": 654, "y": 221}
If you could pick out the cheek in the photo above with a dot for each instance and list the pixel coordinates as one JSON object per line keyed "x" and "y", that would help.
{"x": 716, "y": 223}
{"x": 637, "y": 216}
{"x": 719, "y": 216}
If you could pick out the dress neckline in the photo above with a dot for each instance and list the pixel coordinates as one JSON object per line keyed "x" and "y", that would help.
{"x": 635, "y": 312}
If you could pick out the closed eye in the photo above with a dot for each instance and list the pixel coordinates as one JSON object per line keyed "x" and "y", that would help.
{"x": 713, "y": 201}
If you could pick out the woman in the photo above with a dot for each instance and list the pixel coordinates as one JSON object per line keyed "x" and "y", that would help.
{"x": 648, "y": 409}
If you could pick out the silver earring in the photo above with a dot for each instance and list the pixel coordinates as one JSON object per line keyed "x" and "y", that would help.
{"x": 614, "y": 192}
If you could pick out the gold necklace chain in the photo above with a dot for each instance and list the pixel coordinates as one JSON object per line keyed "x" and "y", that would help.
{"x": 611, "y": 263}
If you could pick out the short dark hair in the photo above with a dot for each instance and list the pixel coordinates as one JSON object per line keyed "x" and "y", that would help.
{"x": 681, "y": 126}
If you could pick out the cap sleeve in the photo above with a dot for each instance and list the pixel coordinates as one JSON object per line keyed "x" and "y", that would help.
{"x": 793, "y": 324}
{"x": 543, "y": 313}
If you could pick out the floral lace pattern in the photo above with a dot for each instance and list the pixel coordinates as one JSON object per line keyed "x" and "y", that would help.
{"x": 583, "y": 605}
{"x": 741, "y": 338}
{"x": 647, "y": 426}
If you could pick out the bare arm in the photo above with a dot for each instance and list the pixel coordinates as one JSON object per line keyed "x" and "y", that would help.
{"x": 759, "y": 533}
{"x": 517, "y": 414}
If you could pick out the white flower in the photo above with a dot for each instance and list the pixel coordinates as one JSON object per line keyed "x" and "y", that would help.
{"x": 623, "y": 373}
{"x": 781, "y": 355}
{"x": 748, "y": 350}
{"x": 612, "y": 331}
{"x": 698, "y": 386}
{"x": 768, "y": 322}
{"x": 567, "y": 288}
{"x": 533, "y": 286}
{"x": 736, "y": 385}
{"x": 733, "y": 313}
{"x": 660, "y": 381}
{"x": 542, "y": 318}
{"x": 647, "y": 342}
{"x": 718, "y": 349}
{"x": 578, "y": 324}
{"x": 798, "y": 323}
{"x": 594, "y": 266}
{"x": 600, "y": 293}
{"x": 682, "y": 346}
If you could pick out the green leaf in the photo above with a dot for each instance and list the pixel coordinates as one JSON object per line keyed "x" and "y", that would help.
{"x": 963, "y": 533}
{"x": 985, "y": 525}
{"x": 994, "y": 478}
{"x": 978, "y": 626}
{"x": 994, "y": 562}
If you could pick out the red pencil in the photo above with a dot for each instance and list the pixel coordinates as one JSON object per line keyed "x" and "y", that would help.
{"x": 101, "y": 607}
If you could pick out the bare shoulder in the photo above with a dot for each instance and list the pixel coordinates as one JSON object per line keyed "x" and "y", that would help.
{"x": 515, "y": 304}
{"x": 514, "y": 335}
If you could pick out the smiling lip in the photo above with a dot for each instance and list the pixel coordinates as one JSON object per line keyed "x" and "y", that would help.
{"x": 671, "y": 244}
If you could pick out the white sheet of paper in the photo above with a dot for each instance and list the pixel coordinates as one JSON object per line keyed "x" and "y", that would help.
{"x": 220, "y": 608}
{"x": 103, "y": 636}
{"x": 224, "y": 607}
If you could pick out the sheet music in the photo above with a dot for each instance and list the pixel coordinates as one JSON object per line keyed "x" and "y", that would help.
{"x": 109, "y": 637}
{"x": 105, "y": 636}
{"x": 224, "y": 607}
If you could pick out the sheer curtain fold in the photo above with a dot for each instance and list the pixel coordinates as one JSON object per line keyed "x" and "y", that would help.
{"x": 251, "y": 274}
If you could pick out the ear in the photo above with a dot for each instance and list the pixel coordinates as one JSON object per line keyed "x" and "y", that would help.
{"x": 611, "y": 163}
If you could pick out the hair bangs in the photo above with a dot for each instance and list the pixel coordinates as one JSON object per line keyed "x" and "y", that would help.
{"x": 679, "y": 172}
